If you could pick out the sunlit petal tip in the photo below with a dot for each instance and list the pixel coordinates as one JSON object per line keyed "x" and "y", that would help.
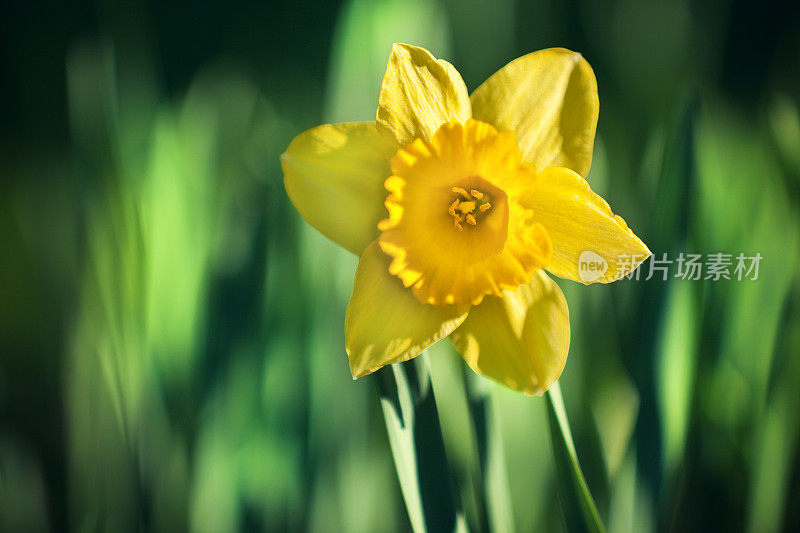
{"x": 418, "y": 94}
{"x": 590, "y": 243}
{"x": 549, "y": 98}
{"x": 639, "y": 254}
{"x": 359, "y": 369}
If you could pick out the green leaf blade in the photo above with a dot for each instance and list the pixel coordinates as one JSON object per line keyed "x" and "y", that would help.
{"x": 415, "y": 436}
{"x": 577, "y": 504}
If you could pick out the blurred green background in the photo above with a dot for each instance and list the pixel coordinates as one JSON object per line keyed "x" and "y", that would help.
{"x": 171, "y": 332}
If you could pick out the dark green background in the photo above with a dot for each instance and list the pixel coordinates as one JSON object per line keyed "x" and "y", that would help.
{"x": 171, "y": 333}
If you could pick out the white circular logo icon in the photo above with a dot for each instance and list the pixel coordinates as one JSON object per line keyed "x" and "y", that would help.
{"x": 591, "y": 266}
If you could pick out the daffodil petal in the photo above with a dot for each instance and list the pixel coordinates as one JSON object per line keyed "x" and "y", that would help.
{"x": 385, "y": 323}
{"x": 520, "y": 339}
{"x": 418, "y": 94}
{"x": 334, "y": 176}
{"x": 549, "y": 98}
{"x": 583, "y": 229}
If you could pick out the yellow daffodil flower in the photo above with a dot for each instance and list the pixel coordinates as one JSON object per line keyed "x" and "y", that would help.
{"x": 483, "y": 192}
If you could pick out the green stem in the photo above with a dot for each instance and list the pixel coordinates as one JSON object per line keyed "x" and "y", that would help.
{"x": 415, "y": 436}
{"x": 577, "y": 504}
{"x": 478, "y": 404}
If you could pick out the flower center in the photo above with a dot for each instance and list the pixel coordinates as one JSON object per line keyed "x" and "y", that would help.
{"x": 456, "y": 229}
{"x": 468, "y": 206}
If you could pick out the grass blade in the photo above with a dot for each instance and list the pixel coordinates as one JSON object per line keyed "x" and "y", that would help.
{"x": 580, "y": 513}
{"x": 415, "y": 436}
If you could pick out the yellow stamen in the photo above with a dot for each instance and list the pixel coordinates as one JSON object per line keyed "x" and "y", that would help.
{"x": 453, "y": 207}
{"x": 466, "y": 207}
{"x": 462, "y": 192}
